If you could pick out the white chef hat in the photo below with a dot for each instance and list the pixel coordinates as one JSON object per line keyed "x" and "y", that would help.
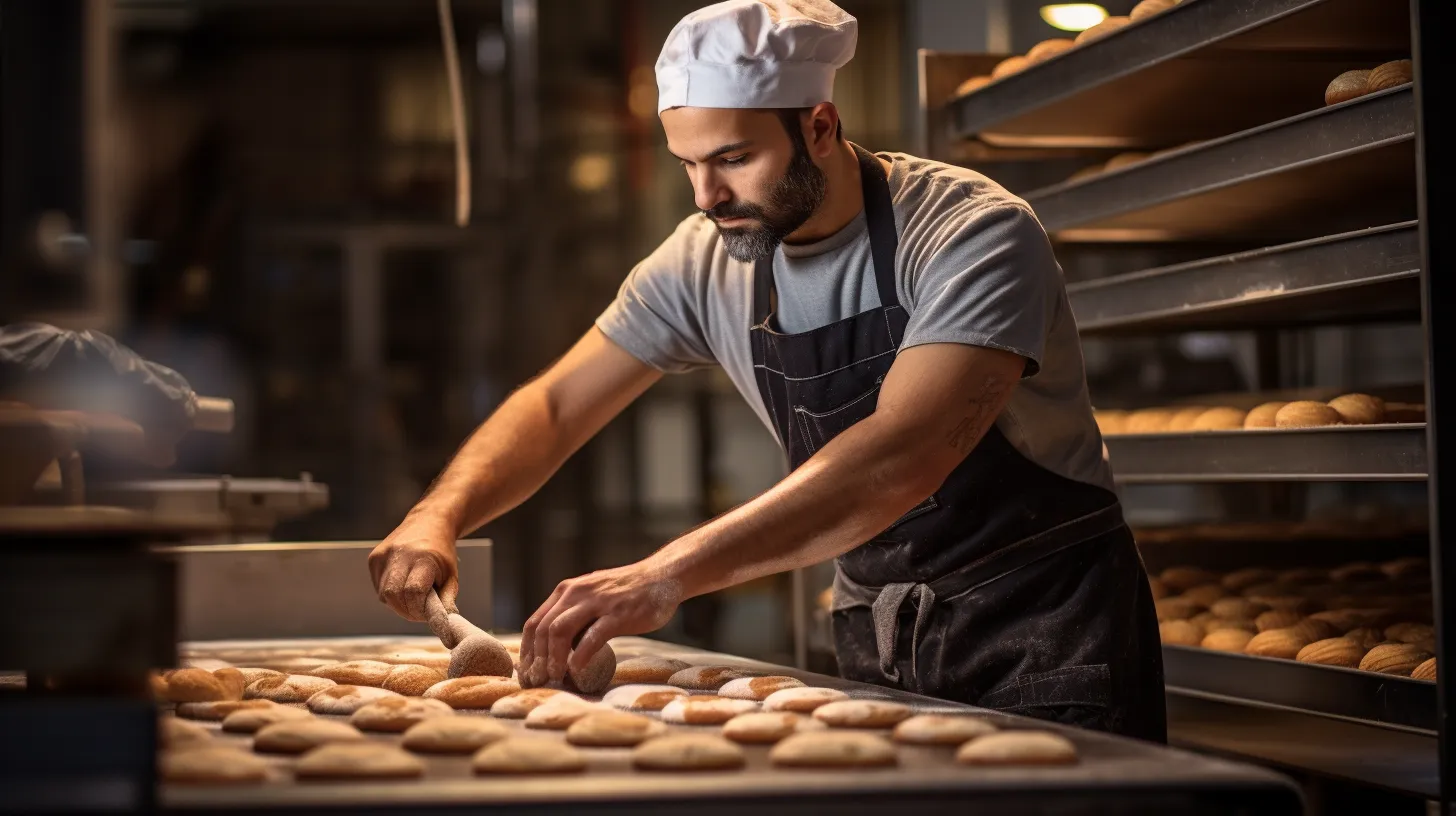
{"x": 755, "y": 54}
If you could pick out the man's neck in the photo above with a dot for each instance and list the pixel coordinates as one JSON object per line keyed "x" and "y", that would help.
{"x": 843, "y": 198}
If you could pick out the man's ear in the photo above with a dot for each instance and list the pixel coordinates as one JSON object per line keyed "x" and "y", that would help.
{"x": 822, "y": 129}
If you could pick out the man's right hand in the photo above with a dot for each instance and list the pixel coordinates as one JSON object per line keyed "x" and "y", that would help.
{"x": 417, "y": 557}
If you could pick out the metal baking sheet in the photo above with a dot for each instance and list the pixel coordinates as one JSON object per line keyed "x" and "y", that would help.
{"x": 1333, "y": 169}
{"x": 1114, "y": 775}
{"x": 1365, "y": 275}
{"x": 1199, "y": 70}
{"x": 1328, "y": 691}
{"x": 1333, "y": 454}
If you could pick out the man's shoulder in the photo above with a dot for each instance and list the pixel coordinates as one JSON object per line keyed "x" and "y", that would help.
{"x": 917, "y": 183}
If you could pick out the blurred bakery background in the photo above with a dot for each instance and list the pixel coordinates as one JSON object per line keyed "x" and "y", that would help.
{"x": 261, "y": 196}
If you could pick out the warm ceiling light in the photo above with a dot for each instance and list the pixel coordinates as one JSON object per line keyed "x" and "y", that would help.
{"x": 1073, "y": 16}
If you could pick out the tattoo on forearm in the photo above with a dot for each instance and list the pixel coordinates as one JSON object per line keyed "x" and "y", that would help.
{"x": 968, "y": 430}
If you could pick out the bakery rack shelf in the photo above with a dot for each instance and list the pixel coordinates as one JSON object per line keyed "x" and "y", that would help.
{"x": 1365, "y": 275}
{"x": 1336, "y": 454}
{"x": 1326, "y": 691}
{"x": 1201, "y": 69}
{"x": 1343, "y": 167}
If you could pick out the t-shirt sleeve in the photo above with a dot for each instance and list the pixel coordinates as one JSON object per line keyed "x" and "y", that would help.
{"x": 656, "y": 316}
{"x": 982, "y": 276}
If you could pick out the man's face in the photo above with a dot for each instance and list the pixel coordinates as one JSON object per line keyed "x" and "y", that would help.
{"x": 756, "y": 182}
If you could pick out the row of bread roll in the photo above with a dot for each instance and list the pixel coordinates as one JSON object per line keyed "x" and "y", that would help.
{"x": 1046, "y": 49}
{"x": 1355, "y": 84}
{"x": 1346, "y": 409}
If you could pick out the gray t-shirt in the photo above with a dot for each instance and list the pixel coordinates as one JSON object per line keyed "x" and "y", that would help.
{"x": 974, "y": 266}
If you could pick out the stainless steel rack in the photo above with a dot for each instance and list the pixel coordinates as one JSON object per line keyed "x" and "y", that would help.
{"x": 1339, "y": 201}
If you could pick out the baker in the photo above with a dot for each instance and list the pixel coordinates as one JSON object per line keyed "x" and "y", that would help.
{"x": 902, "y": 327}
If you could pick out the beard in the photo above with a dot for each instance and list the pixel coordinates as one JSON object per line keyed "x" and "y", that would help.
{"x": 789, "y": 203}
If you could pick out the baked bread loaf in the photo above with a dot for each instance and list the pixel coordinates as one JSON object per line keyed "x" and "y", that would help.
{"x": 355, "y": 672}
{"x": 411, "y": 680}
{"x": 642, "y": 697}
{"x": 832, "y": 749}
{"x": 1220, "y": 419}
{"x": 687, "y": 752}
{"x": 1336, "y": 651}
{"x": 1367, "y": 636}
{"x": 364, "y": 760}
{"x": 1389, "y": 75}
{"x": 1102, "y": 29}
{"x": 802, "y": 700}
{"x": 561, "y": 712}
{"x": 1176, "y": 608}
{"x": 439, "y": 661}
{"x": 941, "y": 729}
{"x": 1148, "y": 8}
{"x": 1240, "y": 580}
{"x": 251, "y": 674}
{"x": 218, "y": 710}
{"x": 1347, "y": 86}
{"x": 1394, "y": 658}
{"x": 298, "y": 736}
{"x": 757, "y": 688}
{"x": 517, "y": 706}
{"x": 1262, "y": 416}
{"x": 972, "y": 84}
{"x": 211, "y": 765}
{"x": 1183, "y": 418}
{"x": 1306, "y": 414}
{"x": 453, "y": 735}
{"x": 705, "y": 678}
{"x": 1205, "y": 594}
{"x": 1227, "y": 640}
{"x": 1407, "y": 632}
{"x": 1425, "y": 671}
{"x": 1359, "y": 409}
{"x": 1046, "y": 49}
{"x": 1018, "y": 748}
{"x": 862, "y": 714}
{"x": 393, "y": 715}
{"x": 201, "y": 685}
{"x": 766, "y": 727}
{"x": 346, "y": 699}
{"x": 1237, "y": 608}
{"x": 479, "y": 691}
{"x": 527, "y": 755}
{"x": 1143, "y": 420}
{"x": 289, "y": 688}
{"x": 613, "y": 729}
{"x": 1313, "y": 630}
{"x": 1009, "y": 66}
{"x": 1284, "y": 643}
{"x": 1180, "y": 633}
{"x": 650, "y": 669}
{"x": 705, "y": 710}
{"x": 251, "y": 720}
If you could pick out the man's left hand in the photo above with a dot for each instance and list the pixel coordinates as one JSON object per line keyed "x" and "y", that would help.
{"x": 627, "y": 600}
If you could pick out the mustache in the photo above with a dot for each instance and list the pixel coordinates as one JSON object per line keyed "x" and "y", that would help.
{"x": 728, "y": 210}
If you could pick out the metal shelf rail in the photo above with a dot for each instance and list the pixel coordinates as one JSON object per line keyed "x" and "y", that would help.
{"x": 1334, "y": 454}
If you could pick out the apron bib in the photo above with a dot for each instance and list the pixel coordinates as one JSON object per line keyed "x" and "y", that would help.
{"x": 1010, "y": 587}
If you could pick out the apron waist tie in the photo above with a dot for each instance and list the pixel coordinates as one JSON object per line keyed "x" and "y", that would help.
{"x": 885, "y": 611}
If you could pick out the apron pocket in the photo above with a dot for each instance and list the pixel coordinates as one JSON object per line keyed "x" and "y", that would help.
{"x": 1072, "y": 695}
{"x": 820, "y": 427}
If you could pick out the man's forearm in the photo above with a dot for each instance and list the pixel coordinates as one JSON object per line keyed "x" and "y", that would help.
{"x": 851, "y": 490}
{"x": 502, "y": 464}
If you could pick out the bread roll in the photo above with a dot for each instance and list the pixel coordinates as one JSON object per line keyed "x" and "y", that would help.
{"x": 1109, "y": 422}
{"x": 1313, "y": 630}
{"x": 1425, "y": 671}
{"x": 1227, "y": 640}
{"x": 1148, "y": 8}
{"x": 1148, "y": 420}
{"x": 1347, "y": 86}
{"x": 1335, "y": 651}
{"x": 1046, "y": 49}
{"x": 1367, "y": 637}
{"x": 1205, "y": 594}
{"x": 1183, "y": 418}
{"x": 1389, "y": 75}
{"x": 647, "y": 669}
{"x": 1262, "y": 416}
{"x": 687, "y": 752}
{"x": 1180, "y": 633}
{"x": 1239, "y": 580}
{"x": 1125, "y": 159}
{"x": 1009, "y": 66}
{"x": 1394, "y": 658}
{"x": 1277, "y": 619}
{"x": 1359, "y": 409}
{"x": 1408, "y": 632}
{"x": 1302, "y": 576}
{"x": 1018, "y": 748}
{"x": 1242, "y": 624}
{"x": 1102, "y": 29}
{"x": 1220, "y": 419}
{"x": 972, "y": 84}
{"x": 1237, "y": 608}
{"x": 1356, "y": 572}
{"x": 1171, "y": 609}
{"x": 1284, "y": 643}
{"x": 1306, "y": 414}
{"x": 1182, "y": 579}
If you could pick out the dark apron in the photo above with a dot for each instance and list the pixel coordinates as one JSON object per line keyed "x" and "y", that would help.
{"x": 1010, "y": 587}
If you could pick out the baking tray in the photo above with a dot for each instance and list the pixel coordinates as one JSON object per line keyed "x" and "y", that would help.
{"x": 1366, "y": 275}
{"x": 1333, "y": 454}
{"x": 1332, "y": 169}
{"x": 1202, "y": 69}
{"x": 1115, "y": 775}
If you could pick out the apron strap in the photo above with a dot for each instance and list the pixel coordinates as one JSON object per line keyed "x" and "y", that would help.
{"x": 885, "y": 612}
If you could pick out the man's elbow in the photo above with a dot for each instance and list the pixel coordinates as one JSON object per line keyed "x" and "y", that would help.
{"x": 914, "y": 466}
